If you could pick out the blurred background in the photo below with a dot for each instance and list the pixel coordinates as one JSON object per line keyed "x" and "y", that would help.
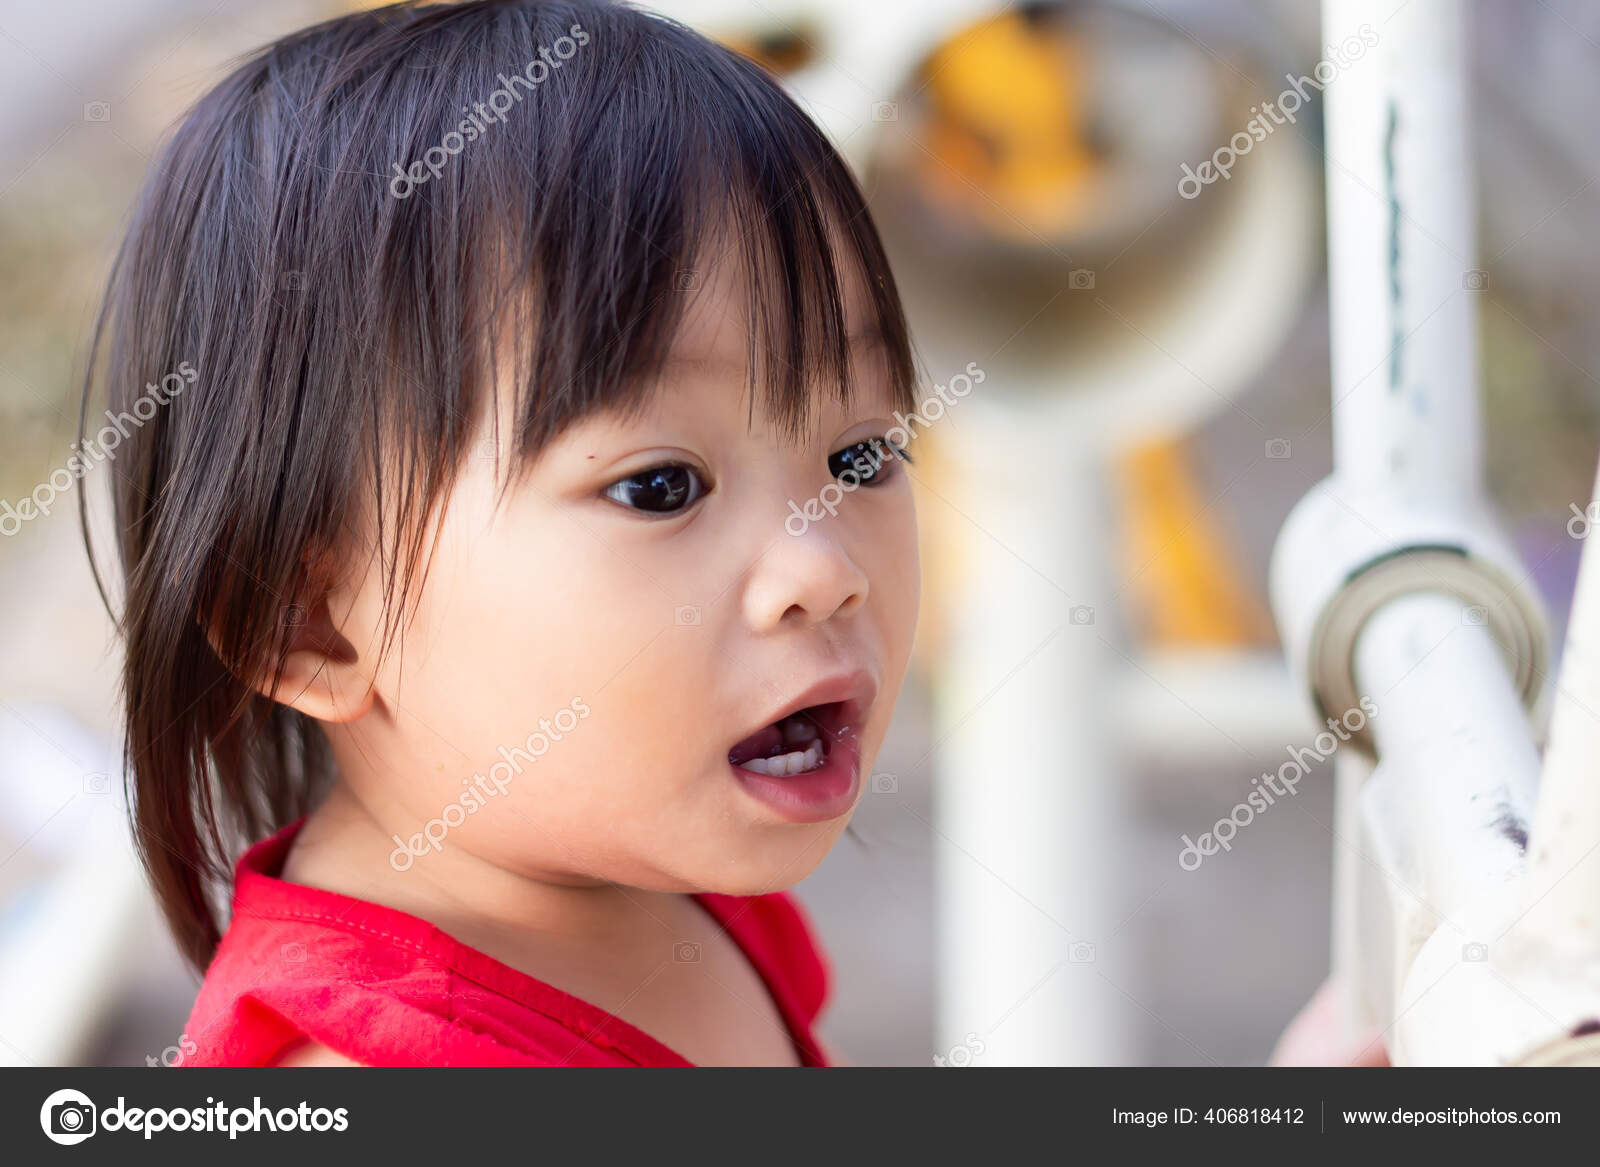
{"x": 1098, "y": 673}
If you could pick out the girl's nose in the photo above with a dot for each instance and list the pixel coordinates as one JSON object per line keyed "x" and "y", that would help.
{"x": 808, "y": 578}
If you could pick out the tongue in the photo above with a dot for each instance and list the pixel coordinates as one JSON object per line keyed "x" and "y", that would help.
{"x": 757, "y": 745}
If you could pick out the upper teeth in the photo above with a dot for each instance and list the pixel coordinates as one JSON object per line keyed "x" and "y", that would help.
{"x": 783, "y": 765}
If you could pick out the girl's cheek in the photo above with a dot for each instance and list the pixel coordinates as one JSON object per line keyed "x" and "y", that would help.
{"x": 900, "y": 572}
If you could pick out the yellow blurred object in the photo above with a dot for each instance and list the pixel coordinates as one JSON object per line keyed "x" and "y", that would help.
{"x": 781, "y": 51}
{"x": 1186, "y": 589}
{"x": 1006, "y": 143}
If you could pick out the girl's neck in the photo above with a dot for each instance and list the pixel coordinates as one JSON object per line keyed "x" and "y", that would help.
{"x": 344, "y": 848}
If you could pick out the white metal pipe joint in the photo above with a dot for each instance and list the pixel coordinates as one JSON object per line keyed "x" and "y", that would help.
{"x": 1343, "y": 554}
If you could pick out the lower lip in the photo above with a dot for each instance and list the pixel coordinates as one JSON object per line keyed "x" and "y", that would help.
{"x": 817, "y": 795}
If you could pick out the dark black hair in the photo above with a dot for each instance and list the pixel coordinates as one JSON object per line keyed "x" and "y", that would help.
{"x": 340, "y": 243}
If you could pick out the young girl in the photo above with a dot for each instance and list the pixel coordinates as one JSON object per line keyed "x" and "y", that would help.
{"x": 461, "y": 568}
{"x": 505, "y": 340}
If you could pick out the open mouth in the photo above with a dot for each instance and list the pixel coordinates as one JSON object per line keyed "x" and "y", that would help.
{"x": 795, "y": 744}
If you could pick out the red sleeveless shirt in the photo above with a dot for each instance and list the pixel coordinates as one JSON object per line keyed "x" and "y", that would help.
{"x": 385, "y": 988}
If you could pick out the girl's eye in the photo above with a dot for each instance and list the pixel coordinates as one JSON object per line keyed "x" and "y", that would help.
{"x": 869, "y": 461}
{"x": 660, "y": 490}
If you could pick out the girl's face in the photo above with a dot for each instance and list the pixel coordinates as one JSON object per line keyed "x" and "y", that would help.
{"x": 601, "y": 663}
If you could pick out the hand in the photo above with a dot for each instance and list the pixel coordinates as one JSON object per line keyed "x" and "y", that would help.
{"x": 1314, "y": 1038}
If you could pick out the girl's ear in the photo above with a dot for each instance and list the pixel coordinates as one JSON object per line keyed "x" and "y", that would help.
{"x": 321, "y": 677}
{"x": 322, "y": 674}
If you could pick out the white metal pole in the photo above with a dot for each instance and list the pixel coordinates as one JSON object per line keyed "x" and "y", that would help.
{"x": 1402, "y": 325}
{"x": 1392, "y": 581}
{"x": 1444, "y": 817}
{"x": 1453, "y": 728}
{"x": 1357, "y": 1010}
{"x": 1566, "y": 828}
{"x": 1402, "y": 284}
{"x": 1026, "y": 791}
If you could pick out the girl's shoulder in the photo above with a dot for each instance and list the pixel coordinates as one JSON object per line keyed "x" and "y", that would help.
{"x": 380, "y": 987}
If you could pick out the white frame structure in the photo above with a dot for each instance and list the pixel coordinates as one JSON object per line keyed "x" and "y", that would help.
{"x": 1467, "y": 885}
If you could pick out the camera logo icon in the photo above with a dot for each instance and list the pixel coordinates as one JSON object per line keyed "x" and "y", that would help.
{"x": 687, "y": 615}
{"x": 1081, "y": 614}
{"x": 1278, "y": 448}
{"x": 885, "y": 784}
{"x": 686, "y": 952}
{"x": 1475, "y": 952}
{"x": 1582, "y": 522}
{"x": 68, "y": 1117}
{"x": 1080, "y": 279}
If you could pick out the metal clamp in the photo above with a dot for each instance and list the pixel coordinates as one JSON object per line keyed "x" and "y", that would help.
{"x": 1334, "y": 566}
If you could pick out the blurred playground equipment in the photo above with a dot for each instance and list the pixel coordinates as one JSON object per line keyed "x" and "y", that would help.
{"x": 1466, "y": 886}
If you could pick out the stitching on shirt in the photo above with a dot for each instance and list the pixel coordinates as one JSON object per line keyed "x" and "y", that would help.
{"x": 342, "y": 924}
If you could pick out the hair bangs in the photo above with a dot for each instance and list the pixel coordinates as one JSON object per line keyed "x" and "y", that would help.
{"x": 680, "y": 162}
